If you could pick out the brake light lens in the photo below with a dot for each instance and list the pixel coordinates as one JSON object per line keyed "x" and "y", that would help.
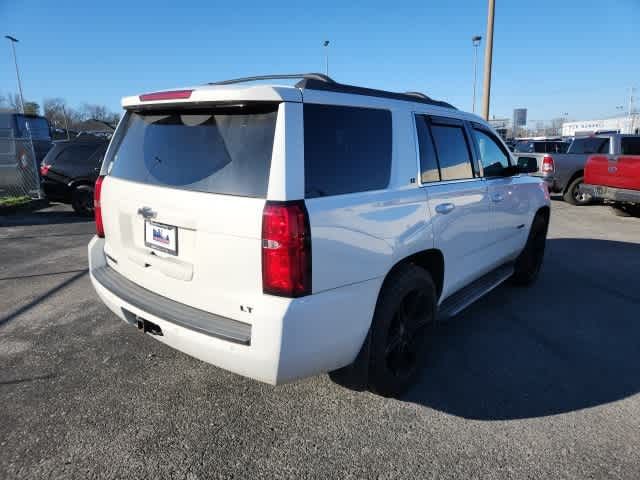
{"x": 547, "y": 164}
{"x": 97, "y": 206}
{"x": 170, "y": 95}
{"x": 286, "y": 249}
{"x": 44, "y": 169}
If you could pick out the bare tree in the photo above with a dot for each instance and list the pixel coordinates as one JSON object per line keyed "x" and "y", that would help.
{"x": 95, "y": 112}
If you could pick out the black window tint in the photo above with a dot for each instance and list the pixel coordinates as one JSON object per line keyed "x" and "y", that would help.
{"x": 630, "y": 145}
{"x": 589, "y": 145}
{"x": 428, "y": 161}
{"x": 540, "y": 147}
{"x": 453, "y": 152}
{"x": 76, "y": 155}
{"x": 98, "y": 155}
{"x": 494, "y": 159}
{"x": 216, "y": 150}
{"x": 346, "y": 149}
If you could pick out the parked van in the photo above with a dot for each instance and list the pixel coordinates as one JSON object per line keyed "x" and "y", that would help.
{"x": 24, "y": 141}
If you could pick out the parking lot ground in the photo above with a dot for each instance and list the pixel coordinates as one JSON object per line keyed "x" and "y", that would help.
{"x": 541, "y": 382}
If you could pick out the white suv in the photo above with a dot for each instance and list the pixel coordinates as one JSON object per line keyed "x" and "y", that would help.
{"x": 283, "y": 231}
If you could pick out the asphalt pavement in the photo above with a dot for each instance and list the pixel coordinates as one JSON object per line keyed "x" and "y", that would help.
{"x": 540, "y": 382}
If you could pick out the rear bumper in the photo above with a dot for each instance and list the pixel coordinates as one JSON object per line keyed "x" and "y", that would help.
{"x": 287, "y": 340}
{"x": 612, "y": 194}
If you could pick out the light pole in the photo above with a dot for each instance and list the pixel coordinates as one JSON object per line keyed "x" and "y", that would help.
{"x": 13, "y": 41}
{"x": 488, "y": 59}
{"x": 475, "y": 40}
{"x": 325, "y": 44}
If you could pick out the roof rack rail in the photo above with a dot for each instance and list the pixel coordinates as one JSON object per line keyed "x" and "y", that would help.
{"x": 416, "y": 97}
{"x": 319, "y": 81}
{"x": 419, "y": 95}
{"x": 304, "y": 76}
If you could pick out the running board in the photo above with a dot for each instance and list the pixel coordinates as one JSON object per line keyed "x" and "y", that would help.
{"x": 472, "y": 292}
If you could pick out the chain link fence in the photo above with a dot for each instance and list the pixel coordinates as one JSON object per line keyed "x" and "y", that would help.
{"x": 20, "y": 155}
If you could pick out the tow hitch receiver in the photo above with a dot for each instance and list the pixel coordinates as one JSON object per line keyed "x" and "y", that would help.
{"x": 148, "y": 327}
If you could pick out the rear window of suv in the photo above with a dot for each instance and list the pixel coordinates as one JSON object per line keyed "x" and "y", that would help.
{"x": 346, "y": 149}
{"x": 225, "y": 150}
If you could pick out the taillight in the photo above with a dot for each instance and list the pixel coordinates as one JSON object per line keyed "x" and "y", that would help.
{"x": 286, "y": 249}
{"x": 547, "y": 164}
{"x": 97, "y": 206}
{"x": 44, "y": 169}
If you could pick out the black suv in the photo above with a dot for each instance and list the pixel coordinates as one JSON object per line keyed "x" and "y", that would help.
{"x": 70, "y": 169}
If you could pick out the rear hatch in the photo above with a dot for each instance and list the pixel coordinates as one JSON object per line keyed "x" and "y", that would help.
{"x": 614, "y": 171}
{"x": 183, "y": 198}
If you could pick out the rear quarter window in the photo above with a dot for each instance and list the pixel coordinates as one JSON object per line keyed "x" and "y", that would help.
{"x": 630, "y": 145}
{"x": 346, "y": 149}
{"x": 225, "y": 150}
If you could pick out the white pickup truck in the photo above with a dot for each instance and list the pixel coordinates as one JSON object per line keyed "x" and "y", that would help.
{"x": 281, "y": 231}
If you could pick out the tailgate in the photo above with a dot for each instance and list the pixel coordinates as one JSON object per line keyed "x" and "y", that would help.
{"x": 183, "y": 199}
{"x": 619, "y": 171}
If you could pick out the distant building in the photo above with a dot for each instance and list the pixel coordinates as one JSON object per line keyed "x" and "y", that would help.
{"x": 519, "y": 117}
{"x": 626, "y": 124}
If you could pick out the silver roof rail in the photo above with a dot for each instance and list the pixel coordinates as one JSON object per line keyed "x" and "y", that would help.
{"x": 303, "y": 76}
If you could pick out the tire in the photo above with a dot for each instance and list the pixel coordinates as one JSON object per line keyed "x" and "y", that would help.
{"x": 573, "y": 195}
{"x": 402, "y": 324}
{"x": 529, "y": 262}
{"x": 82, "y": 200}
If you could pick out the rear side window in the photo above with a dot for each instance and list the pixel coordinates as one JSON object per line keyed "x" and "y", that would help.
{"x": 224, "y": 150}
{"x": 428, "y": 160}
{"x": 589, "y": 145}
{"x": 493, "y": 157}
{"x": 35, "y": 127}
{"x": 453, "y": 152}
{"x": 630, "y": 145}
{"x": 346, "y": 149}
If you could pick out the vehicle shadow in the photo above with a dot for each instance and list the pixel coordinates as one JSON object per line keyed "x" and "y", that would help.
{"x": 571, "y": 341}
{"x": 42, "y": 218}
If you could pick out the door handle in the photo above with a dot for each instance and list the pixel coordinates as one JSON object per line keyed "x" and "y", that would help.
{"x": 445, "y": 208}
{"x": 497, "y": 197}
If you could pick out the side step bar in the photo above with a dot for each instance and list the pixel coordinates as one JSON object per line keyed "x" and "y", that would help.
{"x": 472, "y": 292}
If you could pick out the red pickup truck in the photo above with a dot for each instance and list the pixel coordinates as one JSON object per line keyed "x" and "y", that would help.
{"x": 616, "y": 180}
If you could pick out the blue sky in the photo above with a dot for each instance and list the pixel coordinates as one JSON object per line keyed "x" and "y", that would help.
{"x": 551, "y": 56}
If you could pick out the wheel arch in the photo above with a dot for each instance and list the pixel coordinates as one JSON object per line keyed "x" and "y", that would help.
{"x": 430, "y": 260}
{"x": 576, "y": 174}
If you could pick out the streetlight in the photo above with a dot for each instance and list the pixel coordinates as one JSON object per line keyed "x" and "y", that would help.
{"x": 488, "y": 58}
{"x": 475, "y": 40}
{"x": 325, "y": 44}
{"x": 13, "y": 41}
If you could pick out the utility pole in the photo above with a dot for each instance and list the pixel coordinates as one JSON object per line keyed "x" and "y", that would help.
{"x": 325, "y": 44}
{"x": 13, "y": 41}
{"x": 631, "y": 102}
{"x": 66, "y": 122}
{"x": 488, "y": 59}
{"x": 475, "y": 40}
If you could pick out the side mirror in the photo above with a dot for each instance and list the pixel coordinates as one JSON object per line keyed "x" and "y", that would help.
{"x": 527, "y": 165}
